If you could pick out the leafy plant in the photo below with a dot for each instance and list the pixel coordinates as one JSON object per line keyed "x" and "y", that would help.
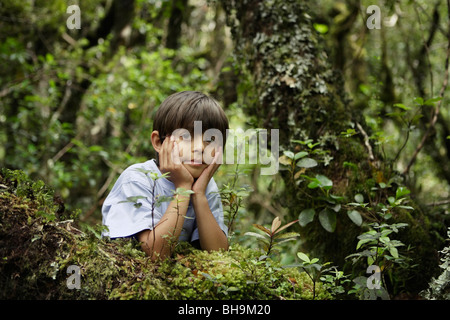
{"x": 375, "y": 245}
{"x": 232, "y": 199}
{"x": 273, "y": 237}
{"x": 439, "y": 288}
{"x": 329, "y": 204}
{"x": 314, "y": 269}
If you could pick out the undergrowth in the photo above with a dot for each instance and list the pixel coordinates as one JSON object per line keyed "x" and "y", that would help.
{"x": 39, "y": 241}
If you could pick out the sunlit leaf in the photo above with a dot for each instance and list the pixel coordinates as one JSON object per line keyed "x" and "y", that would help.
{"x": 286, "y": 226}
{"x": 300, "y": 154}
{"x": 303, "y": 257}
{"x": 306, "y": 163}
{"x": 276, "y": 223}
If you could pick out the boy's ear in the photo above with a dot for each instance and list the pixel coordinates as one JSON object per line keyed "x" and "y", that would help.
{"x": 156, "y": 141}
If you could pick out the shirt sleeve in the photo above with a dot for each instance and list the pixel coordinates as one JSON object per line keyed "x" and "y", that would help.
{"x": 128, "y": 210}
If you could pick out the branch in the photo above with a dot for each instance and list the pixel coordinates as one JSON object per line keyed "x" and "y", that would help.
{"x": 438, "y": 203}
{"x": 366, "y": 142}
{"x": 436, "y": 110}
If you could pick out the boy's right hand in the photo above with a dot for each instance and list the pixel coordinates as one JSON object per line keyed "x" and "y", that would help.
{"x": 169, "y": 161}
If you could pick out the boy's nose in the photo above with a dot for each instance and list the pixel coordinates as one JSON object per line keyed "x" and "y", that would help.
{"x": 198, "y": 144}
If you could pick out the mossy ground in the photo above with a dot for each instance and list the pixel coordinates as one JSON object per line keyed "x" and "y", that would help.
{"x": 38, "y": 244}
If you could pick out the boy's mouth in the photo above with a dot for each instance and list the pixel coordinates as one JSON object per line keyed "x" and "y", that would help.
{"x": 193, "y": 163}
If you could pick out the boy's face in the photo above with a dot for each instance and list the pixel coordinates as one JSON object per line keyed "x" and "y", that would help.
{"x": 195, "y": 152}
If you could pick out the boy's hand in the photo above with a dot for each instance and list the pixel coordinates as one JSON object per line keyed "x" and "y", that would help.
{"x": 199, "y": 186}
{"x": 169, "y": 159}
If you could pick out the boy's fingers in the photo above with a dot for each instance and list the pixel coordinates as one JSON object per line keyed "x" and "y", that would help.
{"x": 166, "y": 149}
{"x": 175, "y": 154}
{"x": 217, "y": 157}
{"x": 215, "y": 164}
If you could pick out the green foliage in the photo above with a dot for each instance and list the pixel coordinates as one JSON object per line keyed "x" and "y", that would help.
{"x": 232, "y": 197}
{"x": 76, "y": 109}
{"x": 439, "y": 288}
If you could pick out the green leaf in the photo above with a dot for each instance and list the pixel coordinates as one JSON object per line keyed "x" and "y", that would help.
{"x": 313, "y": 184}
{"x": 287, "y": 235}
{"x": 162, "y": 198}
{"x": 419, "y": 101}
{"x": 406, "y": 207}
{"x": 321, "y": 28}
{"x": 401, "y": 191}
{"x": 359, "y": 198}
{"x": 314, "y": 260}
{"x": 321, "y": 182}
{"x": 289, "y": 154}
{"x": 393, "y": 251}
{"x": 307, "y": 163}
{"x": 302, "y": 141}
{"x": 355, "y": 216}
{"x": 183, "y": 192}
{"x": 133, "y": 199}
{"x": 233, "y": 289}
{"x": 306, "y": 216}
{"x": 327, "y": 219}
{"x": 364, "y": 241}
{"x": 324, "y": 182}
{"x": 432, "y": 101}
{"x": 303, "y": 257}
{"x": 256, "y": 235}
{"x": 402, "y": 106}
{"x": 300, "y": 154}
{"x": 347, "y": 164}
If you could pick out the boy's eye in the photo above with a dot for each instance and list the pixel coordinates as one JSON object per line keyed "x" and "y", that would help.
{"x": 185, "y": 136}
{"x": 209, "y": 140}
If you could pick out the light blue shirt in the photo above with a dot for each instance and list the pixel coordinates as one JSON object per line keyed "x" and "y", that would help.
{"x": 125, "y": 218}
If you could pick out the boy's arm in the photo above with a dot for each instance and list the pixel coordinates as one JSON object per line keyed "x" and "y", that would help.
{"x": 211, "y": 235}
{"x": 160, "y": 240}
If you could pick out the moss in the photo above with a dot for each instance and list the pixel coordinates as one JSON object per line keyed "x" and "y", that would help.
{"x": 37, "y": 249}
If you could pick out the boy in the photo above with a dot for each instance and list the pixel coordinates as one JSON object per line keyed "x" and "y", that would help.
{"x": 198, "y": 217}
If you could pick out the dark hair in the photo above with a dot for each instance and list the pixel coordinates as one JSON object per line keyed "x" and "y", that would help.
{"x": 181, "y": 109}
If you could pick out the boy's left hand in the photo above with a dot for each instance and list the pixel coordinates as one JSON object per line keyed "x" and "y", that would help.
{"x": 199, "y": 187}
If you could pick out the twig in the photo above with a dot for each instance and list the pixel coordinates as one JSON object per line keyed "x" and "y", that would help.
{"x": 438, "y": 203}
{"x": 366, "y": 142}
{"x": 438, "y": 104}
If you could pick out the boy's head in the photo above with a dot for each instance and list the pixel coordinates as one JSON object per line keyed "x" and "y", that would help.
{"x": 176, "y": 117}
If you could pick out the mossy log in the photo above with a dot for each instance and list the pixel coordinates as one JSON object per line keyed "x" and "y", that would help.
{"x": 45, "y": 256}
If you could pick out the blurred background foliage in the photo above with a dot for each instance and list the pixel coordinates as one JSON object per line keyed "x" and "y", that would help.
{"x": 76, "y": 106}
